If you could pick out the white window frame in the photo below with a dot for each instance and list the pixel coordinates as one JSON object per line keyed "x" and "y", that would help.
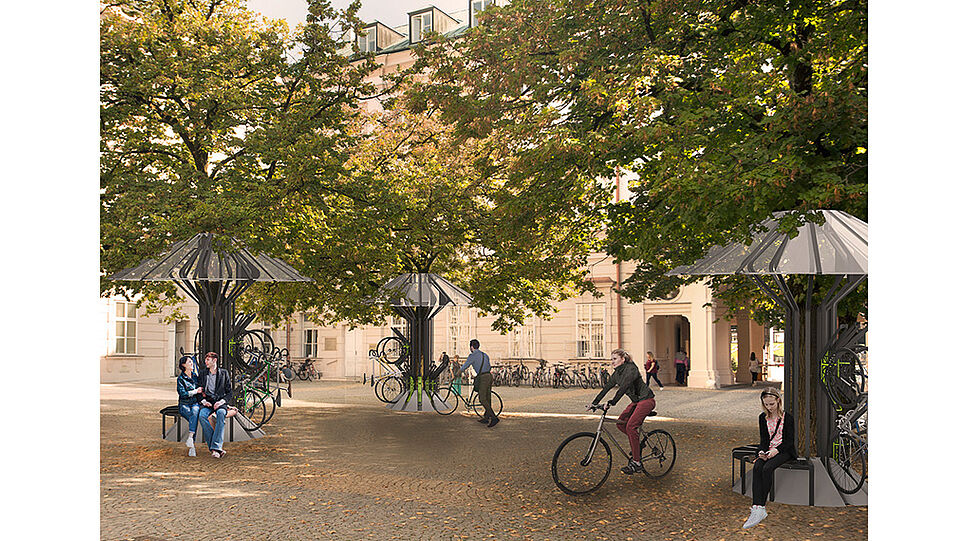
{"x": 311, "y": 341}
{"x": 129, "y": 317}
{"x": 368, "y": 41}
{"x": 399, "y": 323}
{"x": 458, "y": 329}
{"x": 521, "y": 340}
{"x": 478, "y": 6}
{"x": 424, "y": 24}
{"x": 590, "y": 331}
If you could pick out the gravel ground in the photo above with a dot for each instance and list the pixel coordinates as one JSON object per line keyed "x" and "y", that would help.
{"x": 336, "y": 465}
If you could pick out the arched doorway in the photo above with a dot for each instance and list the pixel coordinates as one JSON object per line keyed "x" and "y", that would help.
{"x": 664, "y": 336}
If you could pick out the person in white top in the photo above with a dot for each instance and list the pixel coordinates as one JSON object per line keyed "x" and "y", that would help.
{"x": 754, "y": 368}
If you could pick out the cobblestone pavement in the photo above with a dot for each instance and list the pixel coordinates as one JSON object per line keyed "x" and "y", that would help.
{"x": 335, "y": 465}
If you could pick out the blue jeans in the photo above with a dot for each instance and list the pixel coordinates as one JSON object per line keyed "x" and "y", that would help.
{"x": 213, "y": 439}
{"x": 191, "y": 414}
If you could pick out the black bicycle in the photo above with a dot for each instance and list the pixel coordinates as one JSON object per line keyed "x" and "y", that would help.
{"x": 447, "y": 396}
{"x": 582, "y": 462}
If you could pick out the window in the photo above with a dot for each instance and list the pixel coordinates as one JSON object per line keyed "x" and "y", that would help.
{"x": 458, "y": 330}
{"x": 368, "y": 41}
{"x": 478, "y": 6}
{"x": 521, "y": 341}
{"x": 590, "y": 321}
{"x": 125, "y": 328}
{"x": 400, "y": 324}
{"x": 329, "y": 343}
{"x": 309, "y": 344}
{"x": 420, "y": 25}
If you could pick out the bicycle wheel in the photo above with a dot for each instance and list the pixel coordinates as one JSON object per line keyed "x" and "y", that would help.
{"x": 445, "y": 400}
{"x": 658, "y": 452}
{"x": 496, "y": 404}
{"x": 254, "y": 408}
{"x": 390, "y": 389}
{"x": 581, "y": 464}
{"x": 376, "y": 389}
{"x": 848, "y": 466}
{"x": 302, "y": 374}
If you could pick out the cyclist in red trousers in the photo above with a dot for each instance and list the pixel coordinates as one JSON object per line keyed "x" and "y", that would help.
{"x": 630, "y": 382}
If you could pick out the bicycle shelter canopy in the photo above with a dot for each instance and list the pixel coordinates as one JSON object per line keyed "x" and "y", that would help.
{"x": 214, "y": 271}
{"x": 837, "y": 246}
{"x": 418, "y": 297}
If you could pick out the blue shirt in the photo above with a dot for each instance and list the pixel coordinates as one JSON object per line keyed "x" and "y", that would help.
{"x": 478, "y": 360}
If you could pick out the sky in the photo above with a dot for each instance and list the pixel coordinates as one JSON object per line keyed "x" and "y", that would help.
{"x": 390, "y": 12}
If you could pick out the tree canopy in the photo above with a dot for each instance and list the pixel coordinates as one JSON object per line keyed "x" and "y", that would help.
{"x": 418, "y": 202}
{"x": 214, "y": 121}
{"x": 721, "y": 111}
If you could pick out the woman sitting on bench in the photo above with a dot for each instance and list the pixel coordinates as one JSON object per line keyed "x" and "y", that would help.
{"x": 776, "y": 447}
{"x": 188, "y": 398}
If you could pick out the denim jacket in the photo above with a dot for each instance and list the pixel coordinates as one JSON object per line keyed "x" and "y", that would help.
{"x": 185, "y": 385}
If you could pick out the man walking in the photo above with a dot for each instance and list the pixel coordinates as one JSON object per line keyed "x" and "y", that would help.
{"x": 481, "y": 363}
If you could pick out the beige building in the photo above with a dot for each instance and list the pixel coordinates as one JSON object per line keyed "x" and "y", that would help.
{"x": 584, "y": 330}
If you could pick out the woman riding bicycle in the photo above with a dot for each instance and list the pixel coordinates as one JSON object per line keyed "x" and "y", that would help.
{"x": 630, "y": 382}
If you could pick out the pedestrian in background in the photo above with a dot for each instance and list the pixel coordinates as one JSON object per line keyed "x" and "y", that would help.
{"x": 652, "y": 369}
{"x": 754, "y": 368}
{"x": 682, "y": 362}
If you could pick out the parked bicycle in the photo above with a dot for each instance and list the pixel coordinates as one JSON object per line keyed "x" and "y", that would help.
{"x": 848, "y": 465}
{"x": 447, "y": 397}
{"x": 582, "y": 462}
{"x": 307, "y": 370}
{"x": 844, "y": 377}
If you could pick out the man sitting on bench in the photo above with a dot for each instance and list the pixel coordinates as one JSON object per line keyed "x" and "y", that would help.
{"x": 216, "y": 393}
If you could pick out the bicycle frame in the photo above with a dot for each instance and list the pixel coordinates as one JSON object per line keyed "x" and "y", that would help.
{"x": 595, "y": 442}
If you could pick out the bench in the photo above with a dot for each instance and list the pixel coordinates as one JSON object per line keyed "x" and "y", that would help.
{"x": 748, "y": 454}
{"x": 173, "y": 411}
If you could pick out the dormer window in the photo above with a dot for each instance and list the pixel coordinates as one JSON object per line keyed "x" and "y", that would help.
{"x": 368, "y": 41}
{"x": 478, "y": 6}
{"x": 420, "y": 25}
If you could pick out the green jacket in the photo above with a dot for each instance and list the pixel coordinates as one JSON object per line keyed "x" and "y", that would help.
{"x": 630, "y": 383}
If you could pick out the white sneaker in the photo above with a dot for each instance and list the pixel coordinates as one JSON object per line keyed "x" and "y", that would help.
{"x": 216, "y": 454}
{"x": 191, "y": 451}
{"x": 190, "y": 442}
{"x": 757, "y": 514}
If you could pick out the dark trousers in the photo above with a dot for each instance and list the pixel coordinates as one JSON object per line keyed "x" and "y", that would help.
{"x": 655, "y": 376}
{"x": 681, "y": 373}
{"x": 753, "y": 376}
{"x": 482, "y": 384}
{"x": 763, "y": 476}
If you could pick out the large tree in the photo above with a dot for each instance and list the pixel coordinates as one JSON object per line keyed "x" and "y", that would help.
{"x": 212, "y": 120}
{"x": 417, "y": 201}
{"x": 723, "y": 111}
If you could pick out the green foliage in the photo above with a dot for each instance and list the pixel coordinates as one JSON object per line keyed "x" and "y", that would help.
{"x": 723, "y": 112}
{"x": 416, "y": 201}
{"x": 214, "y": 121}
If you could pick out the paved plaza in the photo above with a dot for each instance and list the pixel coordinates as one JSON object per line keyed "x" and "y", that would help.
{"x": 335, "y": 464}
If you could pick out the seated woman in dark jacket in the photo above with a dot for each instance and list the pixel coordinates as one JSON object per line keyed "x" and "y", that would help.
{"x": 188, "y": 398}
{"x": 630, "y": 383}
{"x": 776, "y": 447}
